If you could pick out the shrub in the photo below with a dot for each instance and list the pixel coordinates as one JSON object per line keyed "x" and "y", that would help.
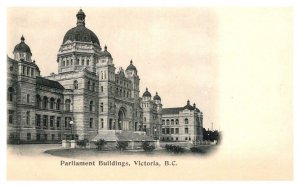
{"x": 147, "y": 146}
{"x": 197, "y": 150}
{"x": 121, "y": 145}
{"x": 82, "y": 143}
{"x": 174, "y": 148}
{"x": 100, "y": 144}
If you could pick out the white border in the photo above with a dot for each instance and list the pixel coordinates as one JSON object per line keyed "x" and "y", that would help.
{"x": 123, "y": 3}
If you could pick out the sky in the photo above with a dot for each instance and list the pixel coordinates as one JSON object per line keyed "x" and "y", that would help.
{"x": 174, "y": 49}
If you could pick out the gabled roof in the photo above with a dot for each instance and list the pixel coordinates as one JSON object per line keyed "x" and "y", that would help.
{"x": 49, "y": 83}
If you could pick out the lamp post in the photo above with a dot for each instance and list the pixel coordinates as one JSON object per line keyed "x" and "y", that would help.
{"x": 72, "y": 135}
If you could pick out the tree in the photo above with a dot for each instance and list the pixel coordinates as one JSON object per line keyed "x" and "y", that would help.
{"x": 121, "y": 145}
{"x": 147, "y": 146}
{"x": 82, "y": 143}
{"x": 100, "y": 144}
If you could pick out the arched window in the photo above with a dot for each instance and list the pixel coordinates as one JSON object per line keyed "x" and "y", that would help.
{"x": 176, "y": 122}
{"x": 63, "y": 63}
{"x": 68, "y": 104}
{"x": 163, "y": 122}
{"x": 101, "y": 107}
{"x": 186, "y": 121}
{"x": 58, "y": 103}
{"x": 75, "y": 84}
{"x": 52, "y": 103}
{"x": 45, "y": 102}
{"x": 82, "y": 62}
{"x": 172, "y": 121}
{"x": 77, "y": 62}
{"x": 88, "y": 62}
{"x": 91, "y": 106}
{"x": 11, "y": 94}
{"x": 145, "y": 119}
{"x": 168, "y": 122}
{"x": 89, "y": 85}
{"x": 27, "y": 118}
{"x": 38, "y": 101}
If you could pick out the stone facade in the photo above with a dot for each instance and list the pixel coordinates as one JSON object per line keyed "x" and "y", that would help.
{"x": 86, "y": 96}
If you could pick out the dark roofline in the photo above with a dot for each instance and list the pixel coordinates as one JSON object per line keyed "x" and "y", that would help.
{"x": 48, "y": 83}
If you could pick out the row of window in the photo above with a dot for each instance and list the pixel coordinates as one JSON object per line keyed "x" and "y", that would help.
{"x": 28, "y": 71}
{"x": 45, "y": 104}
{"x": 174, "y": 138}
{"x": 172, "y": 121}
{"x": 123, "y": 93}
{"x": 82, "y": 62}
{"x": 45, "y": 122}
{"x": 173, "y": 130}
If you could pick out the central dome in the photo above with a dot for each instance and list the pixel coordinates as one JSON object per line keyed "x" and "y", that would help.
{"x": 80, "y": 32}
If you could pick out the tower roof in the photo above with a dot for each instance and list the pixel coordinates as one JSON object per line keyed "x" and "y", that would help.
{"x": 146, "y": 93}
{"x": 80, "y": 32}
{"x": 156, "y": 97}
{"x": 105, "y": 53}
{"x": 22, "y": 47}
{"x": 131, "y": 67}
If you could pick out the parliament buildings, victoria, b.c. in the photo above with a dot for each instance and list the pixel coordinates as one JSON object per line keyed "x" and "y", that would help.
{"x": 88, "y": 97}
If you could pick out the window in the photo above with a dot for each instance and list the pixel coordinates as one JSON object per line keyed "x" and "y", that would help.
{"x": 58, "y": 121}
{"x": 102, "y": 123}
{"x": 88, "y": 62}
{"x": 59, "y": 136}
{"x": 176, "y": 122}
{"x": 58, "y": 103}
{"x": 82, "y": 62}
{"x": 67, "y": 122}
{"x": 77, "y": 62}
{"x": 28, "y": 71}
{"x": 52, "y": 103}
{"x": 167, "y": 131}
{"x": 177, "y": 130}
{"x": 45, "y": 102}
{"x": 38, "y": 136}
{"x": 172, "y": 130}
{"x": 75, "y": 84}
{"x": 91, "y": 106}
{"x": 101, "y": 88}
{"x": 27, "y": 118}
{"x": 186, "y": 138}
{"x": 45, "y": 136}
{"x": 32, "y": 72}
{"x": 145, "y": 119}
{"x": 24, "y": 70}
{"x": 186, "y": 130}
{"x": 51, "y": 121}
{"x": 67, "y": 62}
{"x": 45, "y": 121}
{"x": 93, "y": 87}
{"x": 176, "y": 138}
{"x": 68, "y": 104}
{"x": 10, "y": 116}
{"x": 38, "y": 101}
{"x": 172, "y": 121}
{"x": 91, "y": 122}
{"x": 63, "y": 63}
{"x": 52, "y": 136}
{"x": 168, "y": 122}
{"x": 89, "y": 85}
{"x": 38, "y": 120}
{"x": 28, "y": 137}
{"x": 163, "y": 122}
{"x": 10, "y": 94}
{"x": 101, "y": 107}
{"x": 186, "y": 121}
{"x": 163, "y": 131}
{"x": 28, "y": 98}
{"x": 11, "y": 68}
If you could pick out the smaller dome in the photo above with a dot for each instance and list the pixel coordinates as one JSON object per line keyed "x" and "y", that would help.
{"x": 146, "y": 93}
{"x": 105, "y": 53}
{"x": 156, "y": 97}
{"x": 131, "y": 67}
{"x": 188, "y": 106}
{"x": 22, "y": 47}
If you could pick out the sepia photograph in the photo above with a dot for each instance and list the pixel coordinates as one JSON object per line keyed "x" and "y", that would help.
{"x": 139, "y": 93}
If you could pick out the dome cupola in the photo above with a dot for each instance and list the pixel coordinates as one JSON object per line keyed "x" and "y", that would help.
{"x": 131, "y": 67}
{"x": 146, "y": 93}
{"x": 156, "y": 97}
{"x": 80, "y": 32}
{"x": 105, "y": 53}
{"x": 22, "y": 51}
{"x": 188, "y": 106}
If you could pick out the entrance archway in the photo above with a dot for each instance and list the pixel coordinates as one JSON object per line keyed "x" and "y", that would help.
{"x": 121, "y": 119}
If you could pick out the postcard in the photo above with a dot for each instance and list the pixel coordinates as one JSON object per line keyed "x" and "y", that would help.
{"x": 140, "y": 93}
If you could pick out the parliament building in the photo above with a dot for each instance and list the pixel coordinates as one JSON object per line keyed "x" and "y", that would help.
{"x": 87, "y": 97}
